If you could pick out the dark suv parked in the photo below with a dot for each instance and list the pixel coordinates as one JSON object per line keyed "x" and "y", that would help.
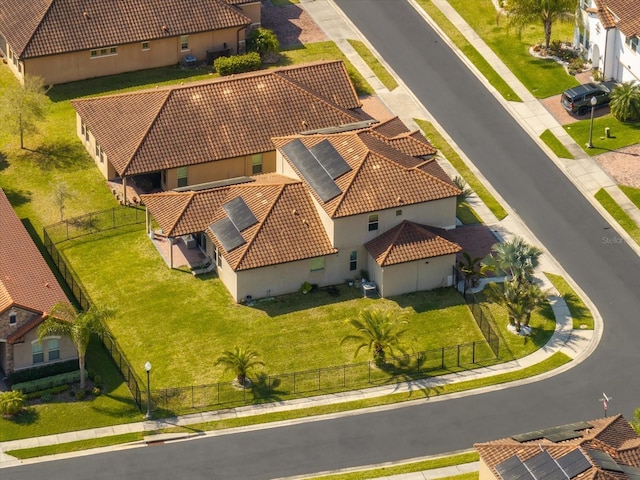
{"x": 578, "y": 99}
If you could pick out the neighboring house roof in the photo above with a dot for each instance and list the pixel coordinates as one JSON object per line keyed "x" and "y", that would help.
{"x": 605, "y": 448}
{"x": 379, "y": 175}
{"x": 621, "y": 14}
{"x": 408, "y": 242}
{"x": 229, "y": 117}
{"x": 287, "y": 227}
{"x": 25, "y": 278}
{"x": 37, "y": 28}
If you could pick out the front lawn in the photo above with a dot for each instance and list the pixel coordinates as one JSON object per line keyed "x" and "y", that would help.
{"x": 622, "y": 134}
{"x": 580, "y": 313}
{"x": 542, "y": 77}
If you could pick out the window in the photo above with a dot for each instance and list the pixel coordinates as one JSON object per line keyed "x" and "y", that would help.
{"x": 219, "y": 259}
{"x": 317, "y": 264}
{"x": 145, "y": 46}
{"x": 86, "y": 134}
{"x": 99, "y": 153}
{"x": 398, "y": 213}
{"x": 53, "y": 348}
{"x": 37, "y": 352}
{"x": 13, "y": 317}
{"x": 256, "y": 164}
{"x": 373, "y": 222}
{"x": 632, "y": 43}
{"x": 182, "y": 176}
{"x": 103, "y": 52}
{"x": 97, "y": 150}
{"x": 184, "y": 42}
{"x": 353, "y": 261}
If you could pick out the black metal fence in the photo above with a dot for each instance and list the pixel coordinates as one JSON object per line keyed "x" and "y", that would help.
{"x": 484, "y": 319}
{"x": 323, "y": 380}
{"x": 86, "y": 225}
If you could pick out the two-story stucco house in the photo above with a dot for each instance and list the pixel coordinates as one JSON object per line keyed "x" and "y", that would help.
{"x": 67, "y": 40}
{"x": 609, "y": 30}
{"x": 28, "y": 290}
{"x": 342, "y": 200}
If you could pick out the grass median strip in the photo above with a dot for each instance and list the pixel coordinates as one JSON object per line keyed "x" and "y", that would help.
{"x": 374, "y": 64}
{"x": 76, "y": 446}
{"x": 452, "y": 156}
{"x": 555, "y": 145}
{"x": 554, "y": 361}
{"x": 620, "y": 216}
{"x": 581, "y": 315}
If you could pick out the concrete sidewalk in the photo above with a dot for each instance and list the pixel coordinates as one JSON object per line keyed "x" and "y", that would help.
{"x": 578, "y": 344}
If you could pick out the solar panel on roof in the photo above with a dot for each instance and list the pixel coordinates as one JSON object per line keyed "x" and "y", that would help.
{"x": 513, "y": 469}
{"x": 604, "y": 460}
{"x": 330, "y": 159}
{"x": 526, "y": 437}
{"x": 227, "y": 233}
{"x": 632, "y": 472}
{"x": 215, "y": 184}
{"x": 543, "y": 467}
{"x": 578, "y": 426}
{"x": 308, "y": 166}
{"x": 562, "y": 436}
{"x": 574, "y": 463}
{"x": 239, "y": 213}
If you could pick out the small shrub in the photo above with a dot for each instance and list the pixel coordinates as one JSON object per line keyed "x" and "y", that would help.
{"x": 575, "y": 66}
{"x": 95, "y": 391}
{"x": 46, "y": 397}
{"x": 91, "y": 373}
{"x": 81, "y": 394}
{"x": 306, "y": 287}
{"x": 237, "y": 63}
{"x": 30, "y": 374}
{"x": 48, "y": 382}
{"x": 263, "y": 41}
{"x": 12, "y": 402}
{"x": 97, "y": 381}
{"x": 49, "y": 391}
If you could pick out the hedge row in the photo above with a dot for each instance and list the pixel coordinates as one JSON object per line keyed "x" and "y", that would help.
{"x": 48, "y": 382}
{"x": 22, "y": 376}
{"x": 237, "y": 63}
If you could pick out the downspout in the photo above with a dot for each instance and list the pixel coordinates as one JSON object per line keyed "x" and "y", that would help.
{"x": 238, "y": 40}
{"x": 604, "y": 56}
{"x": 124, "y": 190}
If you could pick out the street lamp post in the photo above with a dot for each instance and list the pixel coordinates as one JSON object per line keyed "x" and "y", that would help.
{"x": 593, "y": 102}
{"x": 147, "y": 367}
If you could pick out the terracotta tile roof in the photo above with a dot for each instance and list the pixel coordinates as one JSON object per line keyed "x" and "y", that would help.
{"x": 47, "y": 27}
{"x": 25, "y": 278}
{"x": 288, "y": 227}
{"x": 622, "y": 14}
{"x": 394, "y": 132}
{"x": 215, "y": 120}
{"x": 407, "y": 242}
{"x": 612, "y": 435}
{"x": 374, "y": 164}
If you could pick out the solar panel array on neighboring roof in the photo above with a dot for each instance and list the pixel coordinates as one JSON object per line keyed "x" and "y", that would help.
{"x": 312, "y": 170}
{"x": 574, "y": 463}
{"x": 604, "y": 460}
{"x": 632, "y": 472}
{"x": 215, "y": 184}
{"x": 239, "y": 213}
{"x": 513, "y": 469}
{"x": 227, "y": 233}
{"x": 544, "y": 467}
{"x": 554, "y": 434}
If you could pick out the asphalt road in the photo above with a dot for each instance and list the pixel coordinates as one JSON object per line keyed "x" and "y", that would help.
{"x": 553, "y": 209}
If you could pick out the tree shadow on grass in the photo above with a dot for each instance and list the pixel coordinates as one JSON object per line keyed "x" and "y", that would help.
{"x": 28, "y": 416}
{"x": 576, "y": 307}
{"x": 62, "y": 155}
{"x": 4, "y": 163}
{"x": 17, "y": 197}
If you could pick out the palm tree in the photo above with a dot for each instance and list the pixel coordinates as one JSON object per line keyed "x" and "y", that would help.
{"x": 79, "y": 327}
{"x": 241, "y": 360}
{"x": 625, "y": 101}
{"x": 516, "y": 259}
{"x": 380, "y": 331}
{"x": 11, "y": 402}
{"x": 472, "y": 269}
{"x": 524, "y": 12}
{"x": 465, "y": 191}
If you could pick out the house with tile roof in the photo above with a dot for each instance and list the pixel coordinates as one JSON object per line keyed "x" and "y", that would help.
{"x": 609, "y": 30}
{"x": 28, "y": 290}
{"x": 605, "y": 448}
{"x": 342, "y": 200}
{"x": 213, "y": 130}
{"x": 67, "y": 40}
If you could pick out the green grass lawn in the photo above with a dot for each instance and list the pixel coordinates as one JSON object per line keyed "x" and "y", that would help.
{"x": 467, "y": 215}
{"x": 622, "y": 134}
{"x": 374, "y": 64}
{"x": 580, "y": 314}
{"x": 555, "y": 145}
{"x": 543, "y": 78}
{"x": 469, "y": 51}
{"x": 620, "y": 216}
{"x": 438, "y": 141}
{"x": 633, "y": 193}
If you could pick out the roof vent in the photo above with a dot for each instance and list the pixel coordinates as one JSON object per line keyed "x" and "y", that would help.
{"x": 164, "y": 28}
{"x": 294, "y": 212}
{"x": 85, "y": 14}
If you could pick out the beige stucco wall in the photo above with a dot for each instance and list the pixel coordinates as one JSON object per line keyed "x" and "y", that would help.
{"x": 219, "y": 170}
{"x": 412, "y": 276}
{"x": 22, "y": 353}
{"x": 485, "y": 472}
{"x": 104, "y": 166}
{"x": 253, "y": 11}
{"x": 80, "y": 65}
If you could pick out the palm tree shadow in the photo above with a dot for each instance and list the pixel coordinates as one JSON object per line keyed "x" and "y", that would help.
{"x": 265, "y": 388}
{"x": 576, "y": 307}
{"x": 28, "y": 416}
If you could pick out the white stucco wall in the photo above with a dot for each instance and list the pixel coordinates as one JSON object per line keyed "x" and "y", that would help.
{"x": 22, "y": 353}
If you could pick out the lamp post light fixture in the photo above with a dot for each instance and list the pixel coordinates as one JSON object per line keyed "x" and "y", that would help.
{"x": 147, "y": 367}
{"x": 593, "y": 102}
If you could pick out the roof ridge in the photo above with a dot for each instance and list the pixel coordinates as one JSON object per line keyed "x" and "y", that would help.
{"x": 191, "y": 196}
{"x": 39, "y": 26}
{"x": 144, "y": 137}
{"x": 398, "y": 231}
{"x": 417, "y": 167}
{"x": 356, "y": 172}
{"x": 261, "y": 223}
